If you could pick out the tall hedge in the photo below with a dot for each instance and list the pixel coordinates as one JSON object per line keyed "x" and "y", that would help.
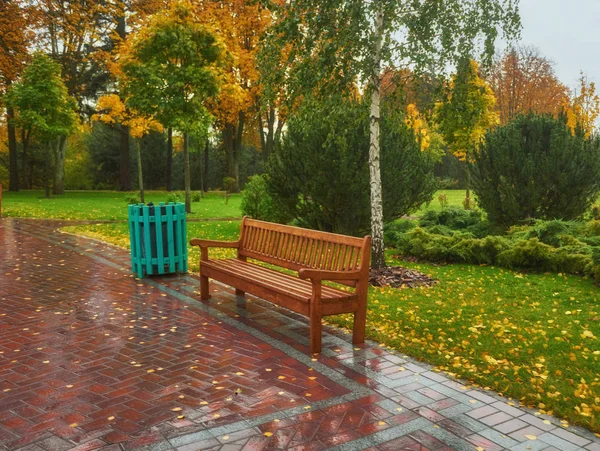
{"x": 320, "y": 173}
{"x": 535, "y": 167}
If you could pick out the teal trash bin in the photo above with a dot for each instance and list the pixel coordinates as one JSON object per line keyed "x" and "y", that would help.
{"x": 158, "y": 238}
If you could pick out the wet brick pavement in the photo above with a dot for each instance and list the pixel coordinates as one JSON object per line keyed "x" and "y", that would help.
{"x": 92, "y": 358}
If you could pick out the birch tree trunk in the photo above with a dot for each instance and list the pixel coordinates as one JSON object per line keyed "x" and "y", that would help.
{"x": 378, "y": 249}
{"x": 139, "y": 165}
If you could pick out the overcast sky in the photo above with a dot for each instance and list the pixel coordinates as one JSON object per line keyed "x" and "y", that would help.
{"x": 568, "y": 33}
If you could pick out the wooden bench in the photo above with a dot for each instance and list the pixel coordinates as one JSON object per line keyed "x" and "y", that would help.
{"x": 317, "y": 256}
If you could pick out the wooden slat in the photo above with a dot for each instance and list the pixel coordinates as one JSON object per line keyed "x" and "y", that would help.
{"x": 332, "y": 237}
{"x": 298, "y": 287}
{"x": 160, "y": 259}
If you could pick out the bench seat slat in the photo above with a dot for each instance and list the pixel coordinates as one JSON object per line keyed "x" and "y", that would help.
{"x": 278, "y": 281}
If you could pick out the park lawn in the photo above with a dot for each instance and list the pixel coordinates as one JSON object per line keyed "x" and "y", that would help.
{"x": 111, "y": 205}
{"x": 455, "y": 198}
{"x": 532, "y": 337}
{"x": 105, "y": 205}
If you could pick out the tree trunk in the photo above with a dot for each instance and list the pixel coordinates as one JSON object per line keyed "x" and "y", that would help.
{"x": 186, "y": 174}
{"x": 237, "y": 147}
{"x": 270, "y": 141}
{"x": 59, "y": 166}
{"x": 169, "y": 159}
{"x": 25, "y": 179}
{"x": 139, "y": 167}
{"x": 467, "y": 204}
{"x": 378, "y": 250}
{"x": 47, "y": 169}
{"x": 13, "y": 161}
{"x": 205, "y": 168}
{"x": 124, "y": 173}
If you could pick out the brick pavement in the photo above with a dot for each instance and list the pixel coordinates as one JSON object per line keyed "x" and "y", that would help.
{"x": 91, "y": 358}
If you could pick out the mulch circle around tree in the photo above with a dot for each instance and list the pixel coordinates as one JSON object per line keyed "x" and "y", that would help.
{"x": 399, "y": 277}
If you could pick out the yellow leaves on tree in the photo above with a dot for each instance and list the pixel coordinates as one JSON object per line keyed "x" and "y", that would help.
{"x": 468, "y": 111}
{"x": 113, "y": 110}
{"x": 419, "y": 125}
{"x": 584, "y": 109}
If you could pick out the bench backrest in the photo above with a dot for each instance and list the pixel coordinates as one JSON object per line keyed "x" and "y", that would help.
{"x": 295, "y": 247}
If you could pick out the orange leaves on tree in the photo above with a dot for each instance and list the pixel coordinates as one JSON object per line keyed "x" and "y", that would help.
{"x": 524, "y": 81}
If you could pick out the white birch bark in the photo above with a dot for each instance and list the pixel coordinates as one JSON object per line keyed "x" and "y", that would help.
{"x": 378, "y": 249}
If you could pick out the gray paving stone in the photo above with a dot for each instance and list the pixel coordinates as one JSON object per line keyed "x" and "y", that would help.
{"x": 418, "y": 397}
{"x": 497, "y": 437}
{"x": 528, "y": 430}
{"x": 510, "y": 426}
{"x": 469, "y": 423}
{"x": 434, "y": 376}
{"x": 453, "y": 411}
{"x": 482, "y": 412}
{"x": 513, "y": 411}
{"x": 389, "y": 405}
{"x": 530, "y": 445}
{"x": 558, "y": 442}
{"x": 537, "y": 422}
{"x": 496, "y": 418}
{"x": 570, "y": 437}
{"x": 449, "y": 439}
{"x": 204, "y": 444}
{"x": 481, "y": 396}
{"x": 593, "y": 447}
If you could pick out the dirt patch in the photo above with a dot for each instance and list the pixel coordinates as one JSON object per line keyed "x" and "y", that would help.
{"x": 399, "y": 277}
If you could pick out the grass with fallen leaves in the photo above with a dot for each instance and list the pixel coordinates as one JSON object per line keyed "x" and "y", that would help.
{"x": 105, "y": 205}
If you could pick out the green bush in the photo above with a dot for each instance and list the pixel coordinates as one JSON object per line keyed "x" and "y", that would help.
{"x": 258, "y": 203}
{"x": 320, "y": 173}
{"x": 534, "y": 167}
{"x": 132, "y": 199}
{"x": 175, "y": 196}
{"x": 553, "y": 232}
{"x": 197, "y": 196}
{"x": 595, "y": 266}
{"x": 557, "y": 246}
{"x": 393, "y": 230}
{"x": 453, "y": 217}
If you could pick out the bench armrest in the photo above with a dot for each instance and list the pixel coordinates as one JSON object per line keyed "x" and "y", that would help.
{"x": 318, "y": 275}
{"x": 214, "y": 243}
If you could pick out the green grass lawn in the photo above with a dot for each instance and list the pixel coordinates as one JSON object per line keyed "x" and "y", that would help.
{"x": 455, "y": 198}
{"x": 111, "y": 205}
{"x": 532, "y": 337}
{"x": 105, "y": 205}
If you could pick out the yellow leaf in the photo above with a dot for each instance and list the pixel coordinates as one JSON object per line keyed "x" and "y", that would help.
{"x": 531, "y": 437}
{"x": 268, "y": 434}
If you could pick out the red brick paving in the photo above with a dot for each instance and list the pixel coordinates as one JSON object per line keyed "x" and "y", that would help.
{"x": 91, "y": 357}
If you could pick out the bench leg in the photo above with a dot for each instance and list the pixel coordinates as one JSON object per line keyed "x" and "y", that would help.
{"x": 316, "y": 329}
{"x": 204, "y": 293}
{"x": 360, "y": 319}
{"x": 240, "y": 293}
